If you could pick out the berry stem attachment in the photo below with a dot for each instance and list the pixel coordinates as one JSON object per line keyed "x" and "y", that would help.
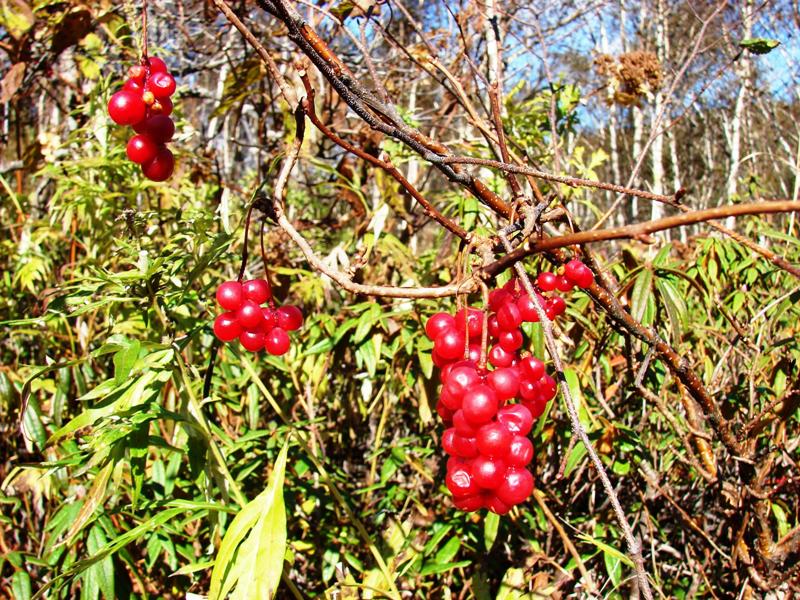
{"x": 484, "y": 326}
{"x": 246, "y": 234}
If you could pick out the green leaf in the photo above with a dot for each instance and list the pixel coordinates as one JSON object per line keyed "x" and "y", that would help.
{"x": 675, "y": 306}
{"x": 124, "y": 360}
{"x": 256, "y": 568}
{"x": 490, "y": 525}
{"x": 759, "y": 45}
{"x": 21, "y": 585}
{"x": 100, "y": 574}
{"x": 641, "y": 293}
{"x": 94, "y": 498}
{"x": 448, "y": 551}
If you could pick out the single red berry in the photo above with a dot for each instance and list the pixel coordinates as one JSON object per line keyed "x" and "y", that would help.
{"x": 493, "y": 439}
{"x": 509, "y": 317}
{"x": 585, "y": 278}
{"x": 460, "y": 379}
{"x": 461, "y": 483}
{"x": 135, "y": 86}
{"x": 450, "y": 344}
{"x": 549, "y": 387}
{"x": 438, "y": 361}
{"x": 555, "y": 307}
{"x": 532, "y": 368}
{"x": 488, "y": 473}
{"x": 536, "y": 405}
{"x": 511, "y": 287}
{"x": 505, "y": 382}
{"x": 493, "y": 327}
{"x": 516, "y": 487}
{"x": 527, "y": 308}
{"x": 573, "y": 268}
{"x": 161, "y": 84}
{"x": 438, "y": 324}
{"x": 470, "y": 322}
{"x": 448, "y": 441}
{"x": 468, "y": 503}
{"x": 516, "y": 419}
{"x": 520, "y": 452}
{"x": 465, "y": 447}
{"x": 463, "y": 427}
{"x": 162, "y": 106}
{"x": 141, "y": 148}
{"x": 161, "y": 167}
{"x": 497, "y": 506}
{"x": 250, "y": 315}
{"x": 499, "y": 357}
{"x": 448, "y": 368}
{"x": 270, "y": 319}
{"x": 137, "y": 73}
{"x": 445, "y": 413}
{"x": 126, "y": 107}
{"x": 498, "y": 298}
{"x": 159, "y": 127}
{"x": 479, "y": 404}
{"x": 546, "y": 281}
{"x": 230, "y": 295}
{"x": 256, "y": 290}
{"x": 563, "y": 284}
{"x": 277, "y": 341}
{"x": 252, "y": 340}
{"x": 156, "y": 65}
{"x": 474, "y": 353}
{"x": 227, "y": 327}
{"x": 290, "y": 317}
{"x": 510, "y": 340}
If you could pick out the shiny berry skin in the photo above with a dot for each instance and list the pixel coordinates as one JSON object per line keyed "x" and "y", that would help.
{"x": 465, "y": 447}
{"x": 137, "y": 73}
{"x": 488, "y": 473}
{"x": 161, "y": 84}
{"x": 511, "y": 287}
{"x": 470, "y": 322}
{"x": 505, "y": 382}
{"x": 563, "y": 284}
{"x": 549, "y": 387}
{"x": 162, "y": 106}
{"x": 277, "y": 342}
{"x": 460, "y": 482}
{"x": 529, "y": 390}
{"x": 438, "y": 361}
{"x": 463, "y": 427}
{"x": 126, "y": 107}
{"x": 585, "y": 278}
{"x": 555, "y": 307}
{"x": 516, "y": 419}
{"x": 516, "y": 487}
{"x": 270, "y": 319}
{"x": 161, "y": 167}
{"x": 438, "y": 324}
{"x": 474, "y": 353}
{"x": 510, "y": 341}
{"x": 493, "y": 440}
{"x": 532, "y": 368}
{"x": 141, "y": 149}
{"x": 493, "y": 327}
{"x": 227, "y": 327}
{"x": 156, "y": 65}
{"x": 290, "y": 317}
{"x": 448, "y": 441}
{"x": 497, "y": 506}
{"x": 134, "y": 86}
{"x": 573, "y": 268}
{"x": 230, "y": 295}
{"x": 449, "y": 367}
{"x": 449, "y": 400}
{"x": 469, "y": 503}
{"x": 445, "y": 413}
{"x": 527, "y": 308}
{"x": 546, "y": 281}
{"x": 450, "y": 344}
{"x": 250, "y": 315}
{"x": 256, "y": 290}
{"x": 460, "y": 379}
{"x": 499, "y": 357}
{"x": 537, "y": 405}
{"x": 509, "y": 317}
{"x": 479, "y": 404}
{"x": 498, "y": 298}
{"x": 520, "y": 452}
{"x": 159, "y": 127}
{"x": 252, "y": 340}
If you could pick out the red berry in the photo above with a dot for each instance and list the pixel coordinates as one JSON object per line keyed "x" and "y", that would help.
{"x": 474, "y": 353}
{"x": 468, "y": 503}
{"x": 585, "y": 278}
{"x": 511, "y": 340}
{"x": 277, "y": 341}
{"x": 520, "y": 452}
{"x": 573, "y": 268}
{"x": 439, "y": 323}
{"x": 256, "y": 290}
{"x": 505, "y": 382}
{"x": 156, "y": 65}
{"x": 159, "y": 127}
{"x": 137, "y": 73}
{"x": 527, "y": 308}
{"x": 463, "y": 427}
{"x": 555, "y": 307}
{"x": 290, "y": 317}
{"x": 546, "y": 281}
{"x": 162, "y": 106}
{"x": 479, "y": 404}
{"x": 250, "y": 315}
{"x": 134, "y": 86}
{"x": 465, "y": 447}
{"x": 536, "y": 405}
{"x": 509, "y": 317}
{"x": 126, "y": 107}
{"x": 448, "y": 441}
{"x": 493, "y": 327}
{"x": 460, "y": 379}
{"x": 529, "y": 390}
{"x": 511, "y": 287}
{"x": 549, "y": 387}
{"x": 532, "y": 368}
{"x": 450, "y": 344}
{"x": 445, "y": 413}
{"x": 497, "y": 506}
{"x": 141, "y": 148}
{"x": 161, "y": 167}
{"x": 270, "y": 319}
{"x": 498, "y": 298}
{"x": 516, "y": 487}
{"x": 470, "y": 322}
{"x": 252, "y": 340}
{"x": 499, "y": 357}
{"x": 227, "y": 327}
{"x": 494, "y": 439}
{"x": 230, "y": 295}
{"x": 438, "y": 361}
{"x": 489, "y": 473}
{"x": 460, "y": 482}
{"x": 563, "y": 284}
{"x": 161, "y": 84}
{"x": 516, "y": 419}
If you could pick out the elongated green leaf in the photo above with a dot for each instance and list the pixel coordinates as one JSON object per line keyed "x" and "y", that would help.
{"x": 490, "y": 526}
{"x": 21, "y": 585}
{"x": 675, "y": 306}
{"x": 256, "y": 568}
{"x": 100, "y": 574}
{"x": 94, "y": 498}
{"x": 641, "y": 293}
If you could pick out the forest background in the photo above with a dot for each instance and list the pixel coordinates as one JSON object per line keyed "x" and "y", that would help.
{"x": 121, "y": 477}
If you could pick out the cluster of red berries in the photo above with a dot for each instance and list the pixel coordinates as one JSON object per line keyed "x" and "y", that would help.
{"x": 489, "y": 413}
{"x": 256, "y": 327}
{"x": 144, "y": 103}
